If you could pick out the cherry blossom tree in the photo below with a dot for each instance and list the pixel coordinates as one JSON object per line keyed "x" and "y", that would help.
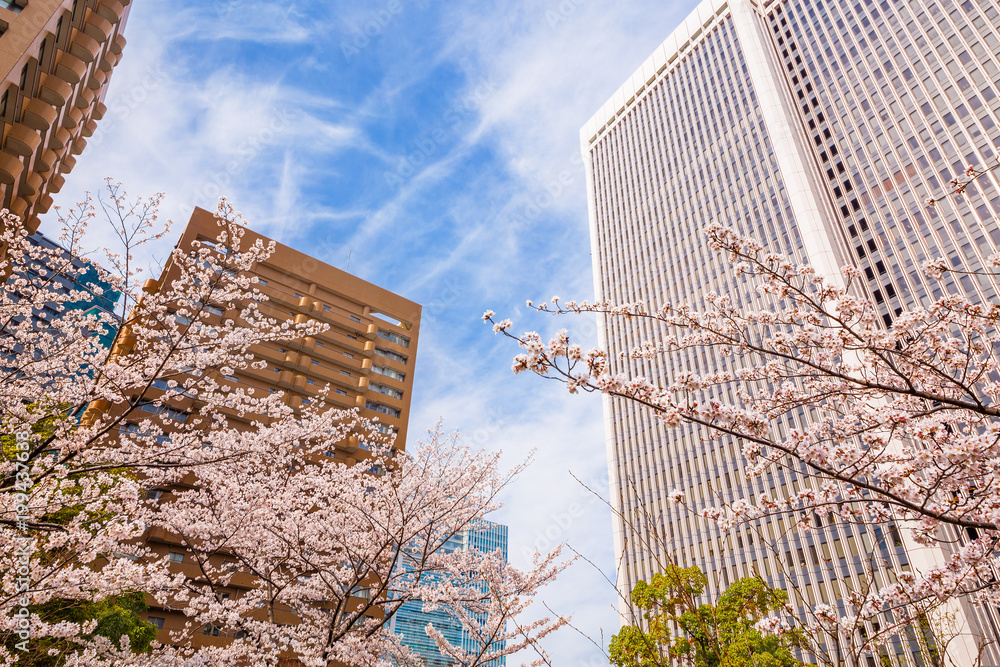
{"x": 294, "y": 555}
{"x": 903, "y": 430}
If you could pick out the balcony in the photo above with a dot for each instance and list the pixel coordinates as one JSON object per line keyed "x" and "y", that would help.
{"x": 10, "y": 168}
{"x": 56, "y": 183}
{"x": 54, "y": 90}
{"x": 59, "y": 139}
{"x": 95, "y": 410}
{"x": 85, "y": 100}
{"x": 111, "y": 10}
{"x": 42, "y": 206}
{"x": 46, "y": 161}
{"x": 98, "y": 28}
{"x": 70, "y": 69}
{"x": 117, "y": 45}
{"x": 73, "y": 118}
{"x": 97, "y": 79}
{"x": 78, "y": 146}
{"x": 32, "y": 184}
{"x": 343, "y": 322}
{"x": 335, "y": 357}
{"x": 109, "y": 60}
{"x": 161, "y": 535}
{"x": 84, "y": 47}
{"x": 22, "y": 140}
{"x": 67, "y": 164}
{"x": 285, "y": 379}
{"x": 38, "y": 115}
{"x": 336, "y": 400}
{"x": 18, "y": 206}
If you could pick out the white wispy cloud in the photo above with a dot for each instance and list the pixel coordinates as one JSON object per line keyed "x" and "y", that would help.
{"x": 253, "y": 21}
{"x": 179, "y": 124}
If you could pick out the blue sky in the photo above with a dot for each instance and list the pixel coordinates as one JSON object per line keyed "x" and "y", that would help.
{"x": 436, "y": 144}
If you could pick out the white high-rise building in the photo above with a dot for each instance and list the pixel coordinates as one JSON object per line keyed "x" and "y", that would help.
{"x": 818, "y": 127}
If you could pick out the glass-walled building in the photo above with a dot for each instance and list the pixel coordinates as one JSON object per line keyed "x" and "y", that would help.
{"x": 818, "y": 127}
{"x": 411, "y": 620}
{"x": 66, "y": 274}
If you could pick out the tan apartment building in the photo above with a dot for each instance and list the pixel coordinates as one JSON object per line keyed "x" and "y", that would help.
{"x": 367, "y": 357}
{"x": 56, "y": 57}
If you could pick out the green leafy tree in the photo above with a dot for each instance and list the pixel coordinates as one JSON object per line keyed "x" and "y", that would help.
{"x": 115, "y": 617}
{"x": 723, "y": 634}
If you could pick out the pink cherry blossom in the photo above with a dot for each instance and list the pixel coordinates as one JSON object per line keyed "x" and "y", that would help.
{"x": 337, "y": 547}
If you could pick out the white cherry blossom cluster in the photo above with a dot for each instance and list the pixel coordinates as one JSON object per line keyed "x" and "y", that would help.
{"x": 287, "y": 550}
{"x": 903, "y": 421}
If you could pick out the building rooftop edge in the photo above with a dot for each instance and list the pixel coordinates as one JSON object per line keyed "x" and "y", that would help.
{"x": 690, "y": 30}
{"x": 200, "y": 213}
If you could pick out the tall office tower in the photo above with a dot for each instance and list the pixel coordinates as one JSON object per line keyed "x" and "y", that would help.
{"x": 55, "y": 60}
{"x": 367, "y": 356}
{"x": 819, "y": 127}
{"x": 411, "y": 621}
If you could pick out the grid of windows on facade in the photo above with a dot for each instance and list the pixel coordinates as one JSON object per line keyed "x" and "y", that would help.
{"x": 338, "y": 357}
{"x": 411, "y": 619}
{"x": 892, "y": 100}
{"x": 67, "y": 274}
{"x": 899, "y": 98}
{"x": 394, "y": 337}
{"x": 693, "y": 151}
{"x": 335, "y": 363}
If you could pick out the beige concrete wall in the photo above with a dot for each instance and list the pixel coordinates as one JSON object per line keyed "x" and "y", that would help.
{"x": 56, "y": 57}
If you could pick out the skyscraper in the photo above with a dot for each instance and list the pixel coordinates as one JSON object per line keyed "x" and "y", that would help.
{"x": 367, "y": 356}
{"x": 410, "y": 621}
{"x": 56, "y": 57}
{"x": 818, "y": 127}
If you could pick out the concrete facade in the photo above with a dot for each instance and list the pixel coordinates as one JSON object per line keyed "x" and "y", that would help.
{"x": 56, "y": 57}
{"x": 367, "y": 356}
{"x": 818, "y": 127}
